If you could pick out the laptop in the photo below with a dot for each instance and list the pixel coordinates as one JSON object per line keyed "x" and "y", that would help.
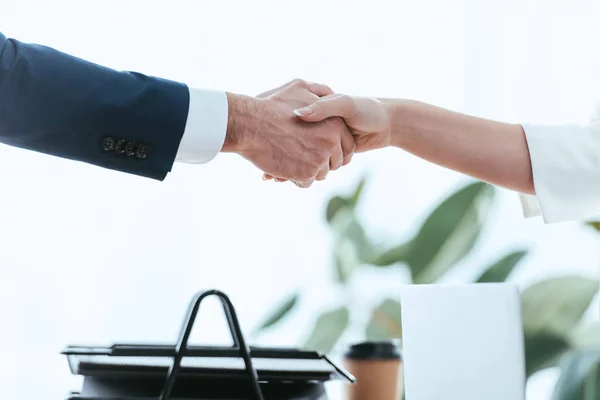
{"x": 463, "y": 342}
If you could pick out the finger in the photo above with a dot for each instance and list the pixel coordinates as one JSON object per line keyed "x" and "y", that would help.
{"x": 322, "y": 174}
{"x": 348, "y": 147}
{"x": 336, "y": 105}
{"x": 304, "y": 185}
{"x": 336, "y": 159}
{"x": 267, "y": 177}
{"x": 319, "y": 89}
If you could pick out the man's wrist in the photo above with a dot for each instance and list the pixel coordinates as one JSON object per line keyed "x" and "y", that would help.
{"x": 240, "y": 123}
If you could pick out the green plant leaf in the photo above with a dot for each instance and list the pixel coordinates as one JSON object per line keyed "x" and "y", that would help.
{"x": 328, "y": 329}
{"x": 579, "y": 378}
{"x": 543, "y": 350}
{"x": 557, "y": 304}
{"x": 356, "y": 234}
{"x": 588, "y": 338}
{"x": 338, "y": 203}
{"x": 397, "y": 254}
{"x": 334, "y": 205}
{"x": 357, "y": 192}
{"x": 385, "y": 321}
{"x": 345, "y": 260}
{"x": 595, "y": 225}
{"x": 347, "y": 227}
{"x": 450, "y": 232}
{"x": 281, "y": 311}
{"x": 501, "y": 269}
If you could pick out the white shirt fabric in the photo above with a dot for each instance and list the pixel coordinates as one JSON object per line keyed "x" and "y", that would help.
{"x": 205, "y": 128}
{"x": 565, "y": 162}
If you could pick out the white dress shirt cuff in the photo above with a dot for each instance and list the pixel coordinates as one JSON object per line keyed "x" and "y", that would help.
{"x": 565, "y": 162}
{"x": 205, "y": 128}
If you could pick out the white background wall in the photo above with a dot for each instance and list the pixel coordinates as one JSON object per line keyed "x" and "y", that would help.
{"x": 93, "y": 256}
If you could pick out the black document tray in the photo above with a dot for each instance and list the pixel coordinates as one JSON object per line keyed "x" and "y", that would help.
{"x": 147, "y": 361}
{"x": 190, "y": 388}
{"x": 173, "y": 372}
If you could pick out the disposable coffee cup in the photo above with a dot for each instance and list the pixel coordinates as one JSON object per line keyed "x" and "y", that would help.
{"x": 377, "y": 367}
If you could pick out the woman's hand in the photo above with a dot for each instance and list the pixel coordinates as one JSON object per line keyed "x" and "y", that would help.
{"x": 368, "y": 119}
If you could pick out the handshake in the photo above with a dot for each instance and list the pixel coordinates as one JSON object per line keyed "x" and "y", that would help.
{"x": 300, "y": 131}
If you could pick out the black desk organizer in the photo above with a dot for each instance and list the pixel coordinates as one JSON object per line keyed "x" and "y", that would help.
{"x": 158, "y": 372}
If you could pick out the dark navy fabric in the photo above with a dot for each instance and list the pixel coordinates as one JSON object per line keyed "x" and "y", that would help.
{"x": 57, "y": 104}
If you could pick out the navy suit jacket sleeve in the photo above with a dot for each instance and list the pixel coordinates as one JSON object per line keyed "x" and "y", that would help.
{"x": 57, "y": 104}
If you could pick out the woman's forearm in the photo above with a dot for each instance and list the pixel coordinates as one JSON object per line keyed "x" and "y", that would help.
{"x": 492, "y": 151}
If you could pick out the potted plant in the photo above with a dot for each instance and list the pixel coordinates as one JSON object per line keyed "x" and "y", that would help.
{"x": 552, "y": 308}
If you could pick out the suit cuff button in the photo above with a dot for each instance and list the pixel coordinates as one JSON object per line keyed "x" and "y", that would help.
{"x": 120, "y": 147}
{"x": 108, "y": 144}
{"x": 130, "y": 149}
{"x": 141, "y": 152}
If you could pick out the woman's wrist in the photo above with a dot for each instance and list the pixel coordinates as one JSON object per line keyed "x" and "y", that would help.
{"x": 401, "y": 120}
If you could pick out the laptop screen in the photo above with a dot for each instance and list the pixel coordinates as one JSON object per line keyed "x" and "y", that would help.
{"x": 463, "y": 342}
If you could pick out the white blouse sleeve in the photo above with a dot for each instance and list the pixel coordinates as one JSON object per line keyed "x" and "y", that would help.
{"x": 565, "y": 162}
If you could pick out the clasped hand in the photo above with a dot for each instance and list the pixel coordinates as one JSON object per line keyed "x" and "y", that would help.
{"x": 300, "y": 131}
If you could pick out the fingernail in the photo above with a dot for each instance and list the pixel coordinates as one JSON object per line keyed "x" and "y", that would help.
{"x": 303, "y": 112}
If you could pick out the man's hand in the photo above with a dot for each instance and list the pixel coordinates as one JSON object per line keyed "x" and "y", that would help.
{"x": 265, "y": 131}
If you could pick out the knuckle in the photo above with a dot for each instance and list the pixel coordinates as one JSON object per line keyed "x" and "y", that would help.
{"x": 348, "y": 103}
{"x": 299, "y": 82}
{"x": 329, "y": 141}
{"x": 327, "y": 89}
{"x": 351, "y": 148}
{"x": 328, "y": 137}
{"x": 308, "y": 172}
{"x": 335, "y": 148}
{"x": 348, "y": 143}
{"x": 346, "y": 98}
{"x": 320, "y": 162}
{"x": 338, "y": 124}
